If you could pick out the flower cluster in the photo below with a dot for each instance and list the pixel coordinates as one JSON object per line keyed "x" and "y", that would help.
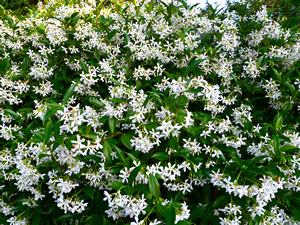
{"x": 149, "y": 112}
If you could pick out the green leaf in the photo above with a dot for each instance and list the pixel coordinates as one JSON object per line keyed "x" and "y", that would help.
{"x": 25, "y": 64}
{"x": 41, "y": 29}
{"x": 290, "y": 87}
{"x": 201, "y": 116}
{"x": 116, "y": 185}
{"x": 199, "y": 212}
{"x": 151, "y": 126}
{"x": 118, "y": 100}
{"x": 94, "y": 220}
{"x": 296, "y": 214}
{"x": 107, "y": 151}
{"x": 111, "y": 34}
{"x": 120, "y": 154}
{"x": 112, "y": 122}
{"x": 52, "y": 110}
{"x": 126, "y": 39}
{"x": 97, "y": 54}
{"x": 184, "y": 3}
{"x": 286, "y": 106}
{"x": 192, "y": 66}
{"x": 182, "y": 101}
{"x": 48, "y": 130}
{"x": 36, "y": 216}
{"x": 193, "y": 130}
{"x": 221, "y": 201}
{"x": 167, "y": 212}
{"x": 69, "y": 93}
{"x": 206, "y": 190}
{"x": 261, "y": 61}
{"x": 155, "y": 96}
{"x": 154, "y": 186}
{"x": 278, "y": 120}
{"x": 133, "y": 158}
{"x": 173, "y": 142}
{"x": 4, "y": 65}
{"x": 96, "y": 102}
{"x": 84, "y": 66}
{"x": 288, "y": 148}
{"x": 277, "y": 74}
{"x": 133, "y": 174}
{"x": 15, "y": 115}
{"x": 275, "y": 142}
{"x": 125, "y": 139}
{"x": 74, "y": 18}
{"x": 161, "y": 156}
{"x": 89, "y": 191}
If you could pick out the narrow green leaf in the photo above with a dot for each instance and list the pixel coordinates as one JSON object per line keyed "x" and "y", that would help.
{"x": 74, "y": 18}
{"x": 194, "y": 130}
{"x": 261, "y": 61}
{"x": 36, "y": 216}
{"x": 161, "y": 156}
{"x": 125, "y": 139}
{"x": 48, "y": 130}
{"x": 192, "y": 66}
{"x": 118, "y": 100}
{"x": 120, "y": 154}
{"x": 89, "y": 191}
{"x": 116, "y": 185}
{"x": 221, "y": 201}
{"x": 126, "y": 39}
{"x": 84, "y": 66}
{"x": 94, "y": 220}
{"x": 154, "y": 186}
{"x": 4, "y": 65}
{"x": 52, "y": 110}
{"x": 288, "y": 148}
{"x": 112, "y": 122}
{"x": 111, "y": 34}
{"x": 133, "y": 174}
{"x": 69, "y": 93}
{"x": 15, "y": 115}
{"x": 95, "y": 102}
{"x": 10, "y": 21}
{"x": 132, "y": 157}
{"x": 25, "y": 64}
{"x": 275, "y": 142}
{"x": 168, "y": 212}
{"x": 277, "y": 74}
{"x": 278, "y": 120}
{"x": 184, "y": 3}
{"x": 156, "y": 97}
{"x": 107, "y": 151}
{"x": 171, "y": 214}
{"x": 182, "y": 101}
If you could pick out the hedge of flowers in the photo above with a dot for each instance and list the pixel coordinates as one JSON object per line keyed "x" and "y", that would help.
{"x": 146, "y": 113}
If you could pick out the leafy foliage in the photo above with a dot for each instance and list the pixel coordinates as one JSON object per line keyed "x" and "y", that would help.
{"x": 150, "y": 112}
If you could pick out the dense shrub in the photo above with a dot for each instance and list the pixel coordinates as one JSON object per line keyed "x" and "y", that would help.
{"x": 20, "y": 7}
{"x": 152, "y": 112}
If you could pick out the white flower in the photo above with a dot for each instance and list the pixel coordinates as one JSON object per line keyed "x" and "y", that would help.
{"x": 44, "y": 89}
{"x": 155, "y": 222}
{"x": 66, "y": 186}
{"x": 167, "y": 129}
{"x": 184, "y": 213}
{"x": 193, "y": 146}
{"x": 124, "y": 205}
{"x": 142, "y": 143}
